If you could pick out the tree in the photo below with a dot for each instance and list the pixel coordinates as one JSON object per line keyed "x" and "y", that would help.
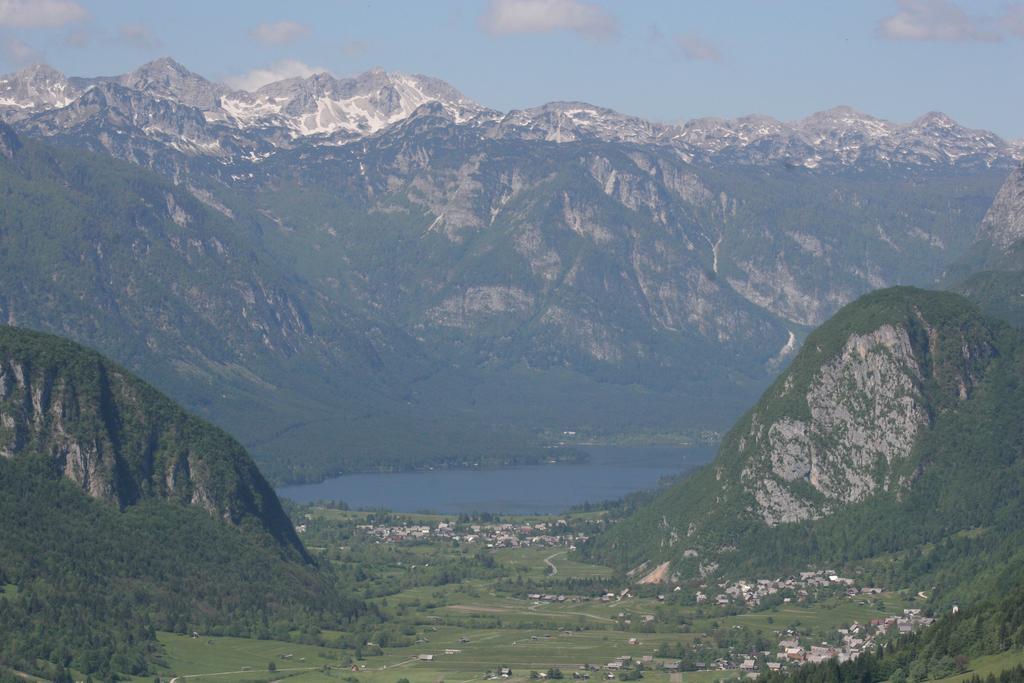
{"x": 271, "y": 667}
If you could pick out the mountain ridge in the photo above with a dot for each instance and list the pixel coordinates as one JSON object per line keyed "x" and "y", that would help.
{"x": 330, "y": 110}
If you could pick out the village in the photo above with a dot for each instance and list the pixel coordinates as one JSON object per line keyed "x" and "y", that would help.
{"x": 800, "y": 588}
{"x": 793, "y": 649}
{"x": 490, "y": 535}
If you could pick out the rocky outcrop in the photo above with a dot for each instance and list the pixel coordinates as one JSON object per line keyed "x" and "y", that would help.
{"x": 120, "y": 440}
{"x": 1003, "y": 226}
{"x": 9, "y": 142}
{"x": 848, "y": 429}
{"x": 865, "y": 412}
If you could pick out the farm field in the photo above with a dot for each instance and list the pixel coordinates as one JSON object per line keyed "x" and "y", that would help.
{"x": 454, "y": 603}
{"x": 240, "y": 659}
{"x": 535, "y": 562}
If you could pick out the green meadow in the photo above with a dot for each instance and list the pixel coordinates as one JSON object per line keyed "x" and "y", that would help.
{"x": 460, "y": 612}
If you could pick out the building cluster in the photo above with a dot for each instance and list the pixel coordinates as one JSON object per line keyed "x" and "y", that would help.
{"x": 496, "y": 535}
{"x": 799, "y": 587}
{"x": 853, "y": 641}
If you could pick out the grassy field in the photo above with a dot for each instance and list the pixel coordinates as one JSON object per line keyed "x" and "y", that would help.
{"x": 187, "y": 657}
{"x": 483, "y": 619}
{"x": 531, "y": 561}
{"x": 238, "y": 659}
{"x": 828, "y": 615}
{"x": 992, "y": 664}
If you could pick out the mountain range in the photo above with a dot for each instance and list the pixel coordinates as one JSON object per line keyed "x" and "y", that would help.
{"x": 322, "y": 110}
{"x": 417, "y": 278}
{"x": 378, "y": 272}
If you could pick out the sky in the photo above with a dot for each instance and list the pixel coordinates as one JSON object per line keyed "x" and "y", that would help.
{"x": 666, "y": 61}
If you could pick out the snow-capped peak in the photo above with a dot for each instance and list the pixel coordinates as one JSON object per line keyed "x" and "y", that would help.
{"x": 846, "y": 120}
{"x": 322, "y": 104}
{"x": 34, "y": 88}
{"x": 842, "y": 135}
{"x": 163, "y": 98}
{"x": 571, "y": 121}
{"x": 168, "y": 79}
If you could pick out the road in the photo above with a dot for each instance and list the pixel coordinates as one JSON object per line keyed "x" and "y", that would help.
{"x": 243, "y": 671}
{"x": 548, "y": 562}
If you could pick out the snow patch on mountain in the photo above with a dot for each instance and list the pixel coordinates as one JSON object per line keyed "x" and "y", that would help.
{"x": 322, "y": 109}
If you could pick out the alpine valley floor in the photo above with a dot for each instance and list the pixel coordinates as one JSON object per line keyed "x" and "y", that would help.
{"x": 462, "y": 611}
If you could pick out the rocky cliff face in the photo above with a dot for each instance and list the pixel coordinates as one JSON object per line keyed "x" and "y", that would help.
{"x": 1003, "y": 226}
{"x": 847, "y": 425}
{"x": 865, "y": 411}
{"x": 991, "y": 273}
{"x": 120, "y": 440}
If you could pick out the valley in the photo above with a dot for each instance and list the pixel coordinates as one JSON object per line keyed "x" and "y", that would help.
{"x": 507, "y": 609}
{"x": 377, "y": 273}
{"x": 370, "y": 379}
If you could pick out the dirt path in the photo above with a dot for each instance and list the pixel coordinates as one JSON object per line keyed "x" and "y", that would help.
{"x": 548, "y": 562}
{"x": 243, "y": 671}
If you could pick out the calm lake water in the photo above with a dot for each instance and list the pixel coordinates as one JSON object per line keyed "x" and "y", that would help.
{"x": 612, "y": 472}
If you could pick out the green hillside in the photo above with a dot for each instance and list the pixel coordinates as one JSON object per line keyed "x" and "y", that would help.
{"x": 123, "y": 514}
{"x": 121, "y": 440}
{"x": 896, "y": 427}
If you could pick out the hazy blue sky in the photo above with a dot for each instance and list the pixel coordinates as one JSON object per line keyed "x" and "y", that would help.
{"x": 667, "y": 61}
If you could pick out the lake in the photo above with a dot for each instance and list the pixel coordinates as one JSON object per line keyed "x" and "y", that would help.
{"x": 611, "y": 472}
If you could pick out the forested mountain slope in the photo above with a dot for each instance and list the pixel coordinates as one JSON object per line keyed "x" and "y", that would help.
{"x": 123, "y": 514}
{"x": 122, "y": 441}
{"x": 898, "y": 424}
{"x": 116, "y": 257}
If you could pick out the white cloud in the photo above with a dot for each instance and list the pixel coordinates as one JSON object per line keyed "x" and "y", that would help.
{"x": 935, "y": 20}
{"x": 80, "y": 37}
{"x": 20, "y": 52}
{"x": 696, "y": 48}
{"x": 354, "y": 48}
{"x": 40, "y": 13}
{"x": 1013, "y": 21}
{"x": 278, "y": 71}
{"x": 138, "y": 36}
{"x": 541, "y": 16}
{"x": 279, "y": 33}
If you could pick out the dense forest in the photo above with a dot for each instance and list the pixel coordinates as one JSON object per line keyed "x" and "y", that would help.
{"x": 123, "y": 515}
{"x": 87, "y": 585}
